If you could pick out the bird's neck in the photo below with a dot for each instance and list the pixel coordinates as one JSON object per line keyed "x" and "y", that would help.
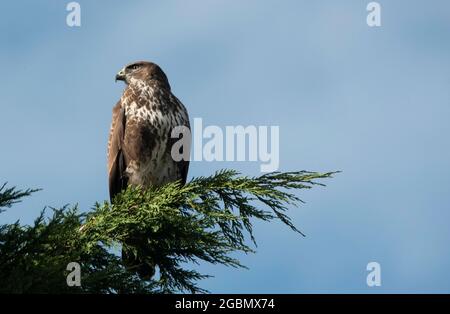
{"x": 148, "y": 84}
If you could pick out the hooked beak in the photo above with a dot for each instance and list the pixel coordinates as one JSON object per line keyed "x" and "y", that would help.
{"x": 120, "y": 76}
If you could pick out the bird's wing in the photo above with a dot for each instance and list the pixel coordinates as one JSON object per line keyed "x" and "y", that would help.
{"x": 183, "y": 165}
{"x": 184, "y": 168}
{"x": 116, "y": 157}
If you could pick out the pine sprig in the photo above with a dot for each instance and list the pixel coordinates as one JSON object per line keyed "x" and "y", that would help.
{"x": 11, "y": 196}
{"x": 208, "y": 220}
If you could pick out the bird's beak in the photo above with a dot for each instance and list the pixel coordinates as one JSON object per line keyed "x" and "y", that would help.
{"x": 120, "y": 76}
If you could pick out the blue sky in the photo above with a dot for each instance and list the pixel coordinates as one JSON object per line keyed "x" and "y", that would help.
{"x": 372, "y": 102}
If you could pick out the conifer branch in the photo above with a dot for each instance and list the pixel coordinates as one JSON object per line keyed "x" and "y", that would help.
{"x": 206, "y": 220}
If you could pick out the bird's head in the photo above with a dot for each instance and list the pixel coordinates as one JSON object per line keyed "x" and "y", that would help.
{"x": 143, "y": 71}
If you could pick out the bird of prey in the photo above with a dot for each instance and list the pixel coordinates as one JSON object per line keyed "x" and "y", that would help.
{"x": 140, "y": 142}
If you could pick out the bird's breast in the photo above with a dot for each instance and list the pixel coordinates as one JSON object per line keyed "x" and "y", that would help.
{"x": 148, "y": 132}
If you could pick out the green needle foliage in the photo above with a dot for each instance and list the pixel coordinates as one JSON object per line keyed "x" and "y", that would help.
{"x": 207, "y": 219}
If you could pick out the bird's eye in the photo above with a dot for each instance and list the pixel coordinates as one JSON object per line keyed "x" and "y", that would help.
{"x": 133, "y": 66}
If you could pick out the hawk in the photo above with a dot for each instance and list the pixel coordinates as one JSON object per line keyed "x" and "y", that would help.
{"x": 140, "y": 141}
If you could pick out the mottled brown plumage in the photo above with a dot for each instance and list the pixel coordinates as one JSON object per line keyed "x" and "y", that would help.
{"x": 139, "y": 146}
